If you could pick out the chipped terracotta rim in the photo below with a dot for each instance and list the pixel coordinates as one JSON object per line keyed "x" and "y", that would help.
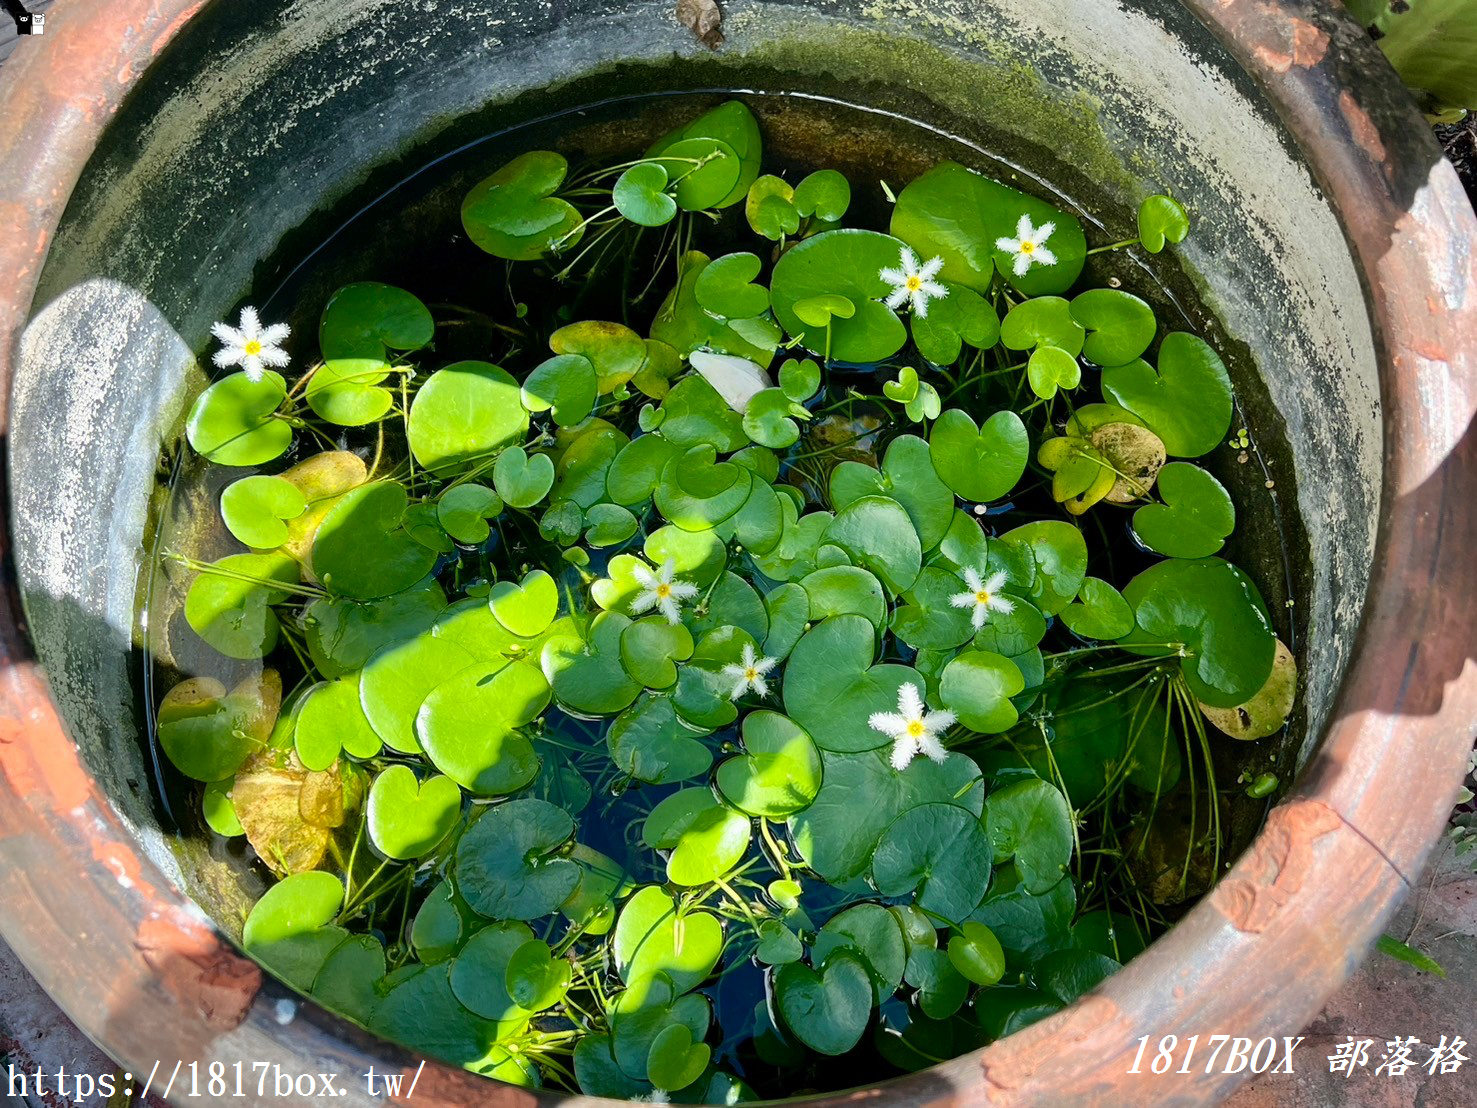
{"x": 143, "y": 972}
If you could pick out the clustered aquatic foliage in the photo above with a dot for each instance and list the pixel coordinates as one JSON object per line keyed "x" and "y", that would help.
{"x": 657, "y": 664}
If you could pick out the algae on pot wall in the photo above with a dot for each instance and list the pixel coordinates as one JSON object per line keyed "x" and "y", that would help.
{"x": 768, "y": 631}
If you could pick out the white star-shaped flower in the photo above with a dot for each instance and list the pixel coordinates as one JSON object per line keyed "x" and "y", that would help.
{"x": 983, "y": 596}
{"x": 912, "y": 728}
{"x": 749, "y": 674}
{"x": 251, "y": 346}
{"x": 1028, "y": 246}
{"x": 661, "y": 591}
{"x": 914, "y": 282}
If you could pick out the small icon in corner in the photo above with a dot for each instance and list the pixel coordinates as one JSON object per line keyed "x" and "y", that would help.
{"x": 25, "y": 22}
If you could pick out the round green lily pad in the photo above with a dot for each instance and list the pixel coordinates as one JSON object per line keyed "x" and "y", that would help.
{"x": 508, "y": 865}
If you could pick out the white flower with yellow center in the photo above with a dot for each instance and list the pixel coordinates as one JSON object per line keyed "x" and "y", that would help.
{"x": 914, "y": 283}
{"x": 912, "y": 728}
{"x": 251, "y": 346}
{"x": 1028, "y": 246}
{"x": 749, "y": 673}
{"x": 983, "y": 597}
{"x": 661, "y": 591}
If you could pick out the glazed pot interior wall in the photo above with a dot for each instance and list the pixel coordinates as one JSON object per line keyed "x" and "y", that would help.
{"x": 259, "y": 129}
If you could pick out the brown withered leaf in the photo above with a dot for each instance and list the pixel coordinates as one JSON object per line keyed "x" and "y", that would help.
{"x": 704, "y": 18}
{"x": 288, "y": 812}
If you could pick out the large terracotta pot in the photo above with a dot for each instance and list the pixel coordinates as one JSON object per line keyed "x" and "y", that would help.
{"x": 155, "y": 153}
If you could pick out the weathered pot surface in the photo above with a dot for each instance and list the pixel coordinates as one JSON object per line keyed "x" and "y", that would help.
{"x": 158, "y": 155}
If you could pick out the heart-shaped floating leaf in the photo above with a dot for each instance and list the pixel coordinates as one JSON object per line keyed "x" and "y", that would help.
{"x": 616, "y": 351}
{"x": 1050, "y": 368}
{"x": 675, "y": 1061}
{"x": 234, "y": 423}
{"x": 362, "y": 552}
{"x": 1119, "y": 325}
{"x": 229, "y": 604}
{"x": 463, "y": 512}
{"x": 879, "y": 535}
{"x": 706, "y": 838}
{"x": 926, "y": 405}
{"x": 975, "y": 952}
{"x": 363, "y": 324}
{"x": 818, "y": 311}
{"x": 1099, "y": 612}
{"x": 861, "y": 794}
{"x": 650, "y": 649}
{"x": 468, "y": 725}
{"x": 218, "y": 811}
{"x": 254, "y": 510}
{"x": 845, "y": 263}
{"x": 1162, "y": 219}
{"x": 1195, "y": 518}
{"x": 770, "y": 208}
{"x": 904, "y": 388}
{"x": 1044, "y": 321}
{"x": 609, "y": 525}
{"x": 463, "y": 413}
{"x": 399, "y": 676}
{"x": 779, "y": 774}
{"x": 479, "y": 975}
{"x": 342, "y": 634}
{"x": 1266, "y": 712}
{"x": 564, "y": 385}
{"x": 640, "y": 194}
{"x": 653, "y": 744}
{"x": 1031, "y": 822}
{"x": 960, "y": 215}
{"x": 907, "y": 476}
{"x": 330, "y": 720}
{"x": 979, "y": 463}
{"x": 420, "y": 1011}
{"x": 652, "y": 938}
{"x": 514, "y": 214}
{"x": 527, "y": 608}
{"x": 725, "y": 287}
{"x": 964, "y": 316}
{"x": 831, "y": 687}
{"x": 347, "y": 981}
{"x": 942, "y": 989}
{"x": 586, "y": 674}
{"x": 408, "y": 818}
{"x": 535, "y": 979}
{"x": 208, "y": 734}
{"x": 770, "y": 419}
{"x": 778, "y": 945}
{"x": 1187, "y": 402}
{"x": 939, "y": 851}
{"x": 730, "y": 128}
{"x": 800, "y": 378}
{"x": 704, "y": 171}
{"x": 977, "y": 686}
{"x": 1213, "y": 617}
{"x": 825, "y": 194}
{"x": 697, "y": 492}
{"x": 683, "y": 325}
{"x": 507, "y": 863}
{"x": 826, "y": 1010}
{"x": 522, "y": 479}
{"x": 843, "y": 590}
{"x": 1058, "y": 552}
{"x": 929, "y": 621}
{"x": 288, "y": 928}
